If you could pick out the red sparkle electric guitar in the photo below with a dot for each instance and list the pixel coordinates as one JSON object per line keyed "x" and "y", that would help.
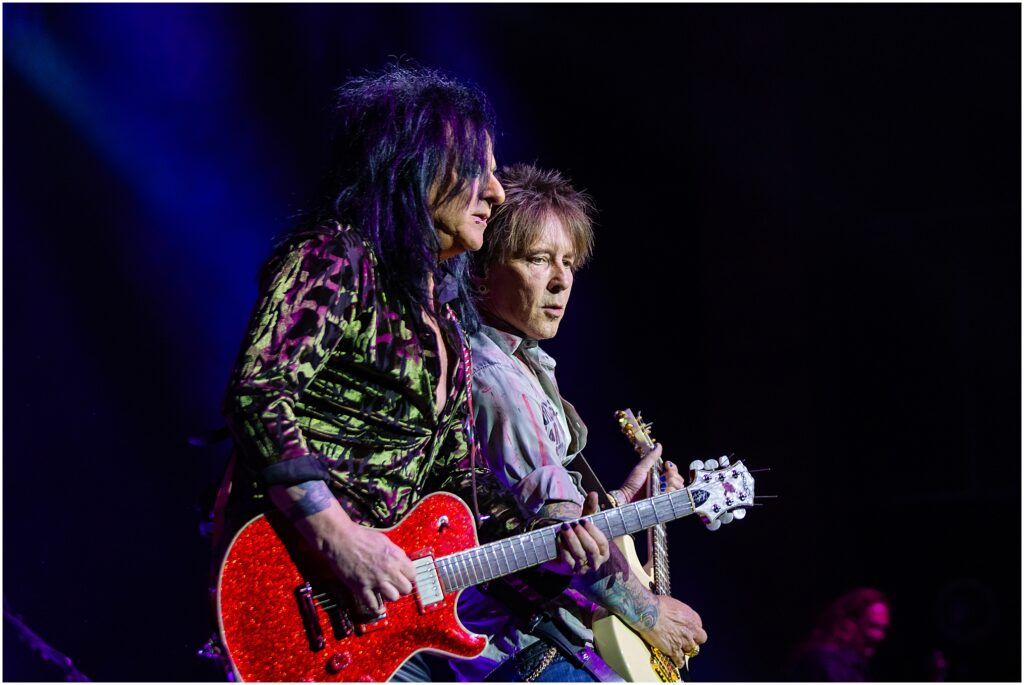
{"x": 284, "y": 617}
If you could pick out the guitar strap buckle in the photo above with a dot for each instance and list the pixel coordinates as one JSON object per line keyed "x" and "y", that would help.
{"x": 582, "y": 657}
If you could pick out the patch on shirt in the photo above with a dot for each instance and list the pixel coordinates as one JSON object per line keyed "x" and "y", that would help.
{"x": 553, "y": 425}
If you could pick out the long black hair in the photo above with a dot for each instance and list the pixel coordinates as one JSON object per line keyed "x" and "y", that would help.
{"x": 404, "y": 134}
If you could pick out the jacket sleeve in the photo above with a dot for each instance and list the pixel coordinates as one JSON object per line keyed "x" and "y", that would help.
{"x": 308, "y": 299}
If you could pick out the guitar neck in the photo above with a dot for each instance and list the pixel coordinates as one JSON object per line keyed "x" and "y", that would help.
{"x": 657, "y": 550}
{"x": 504, "y": 557}
{"x": 657, "y": 537}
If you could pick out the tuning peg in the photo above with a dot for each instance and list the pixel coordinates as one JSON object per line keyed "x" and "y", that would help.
{"x": 696, "y": 465}
{"x": 711, "y": 464}
{"x": 726, "y": 517}
{"x": 739, "y": 513}
{"x": 723, "y": 461}
{"x": 715, "y": 525}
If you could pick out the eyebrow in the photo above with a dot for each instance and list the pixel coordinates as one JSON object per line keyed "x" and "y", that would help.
{"x": 547, "y": 249}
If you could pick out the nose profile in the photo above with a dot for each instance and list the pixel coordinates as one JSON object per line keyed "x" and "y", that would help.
{"x": 560, "y": 279}
{"x": 493, "y": 192}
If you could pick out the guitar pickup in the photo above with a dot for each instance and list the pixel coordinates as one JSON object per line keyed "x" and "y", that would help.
{"x": 310, "y": 620}
{"x": 429, "y": 593}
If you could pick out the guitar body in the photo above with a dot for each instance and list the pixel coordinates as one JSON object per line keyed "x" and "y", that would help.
{"x": 621, "y": 647}
{"x": 274, "y": 631}
{"x": 285, "y": 617}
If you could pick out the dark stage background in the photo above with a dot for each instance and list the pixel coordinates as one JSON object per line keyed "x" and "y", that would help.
{"x": 808, "y": 254}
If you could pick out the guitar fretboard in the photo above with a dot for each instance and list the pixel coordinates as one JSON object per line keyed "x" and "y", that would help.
{"x": 496, "y": 559}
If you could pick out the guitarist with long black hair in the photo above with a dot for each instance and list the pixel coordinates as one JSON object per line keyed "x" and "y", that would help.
{"x": 350, "y": 400}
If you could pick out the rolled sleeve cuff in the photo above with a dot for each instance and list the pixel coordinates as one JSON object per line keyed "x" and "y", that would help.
{"x": 547, "y": 484}
{"x": 296, "y": 470}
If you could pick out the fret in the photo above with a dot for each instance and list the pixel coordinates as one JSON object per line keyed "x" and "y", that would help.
{"x": 452, "y": 564}
{"x": 478, "y": 568}
{"x": 498, "y": 557}
{"x": 665, "y": 511}
{"x": 457, "y": 572}
{"x": 474, "y": 570}
{"x": 538, "y": 558}
{"x": 644, "y": 509}
{"x": 635, "y": 521}
{"x": 547, "y": 550}
{"x": 622, "y": 521}
{"x": 476, "y": 563}
{"x": 506, "y": 568}
{"x": 518, "y": 561}
{"x": 442, "y": 574}
{"x": 672, "y": 506}
{"x": 534, "y": 557}
{"x": 599, "y": 520}
{"x": 604, "y": 522}
{"x": 463, "y": 566}
{"x": 526, "y": 560}
{"x": 659, "y": 515}
{"x": 490, "y": 556}
{"x": 518, "y": 555}
{"x": 510, "y": 564}
{"x": 549, "y": 538}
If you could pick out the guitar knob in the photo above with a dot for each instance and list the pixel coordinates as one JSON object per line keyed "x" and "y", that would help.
{"x": 696, "y": 465}
{"x": 726, "y": 517}
{"x": 715, "y": 525}
{"x": 723, "y": 461}
{"x": 739, "y": 513}
{"x": 337, "y": 662}
{"x": 711, "y": 464}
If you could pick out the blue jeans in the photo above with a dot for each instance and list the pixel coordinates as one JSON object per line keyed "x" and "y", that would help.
{"x": 423, "y": 668}
{"x": 560, "y": 670}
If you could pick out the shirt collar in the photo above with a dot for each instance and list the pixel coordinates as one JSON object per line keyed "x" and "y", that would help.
{"x": 511, "y": 341}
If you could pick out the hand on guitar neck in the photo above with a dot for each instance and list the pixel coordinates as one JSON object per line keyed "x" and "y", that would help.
{"x": 582, "y": 548}
{"x": 633, "y": 488}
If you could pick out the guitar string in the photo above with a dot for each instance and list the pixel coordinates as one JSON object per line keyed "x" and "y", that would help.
{"x": 445, "y": 565}
{"x": 478, "y": 554}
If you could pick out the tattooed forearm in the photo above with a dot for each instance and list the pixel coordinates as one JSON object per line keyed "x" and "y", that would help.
{"x": 309, "y": 498}
{"x": 555, "y": 512}
{"x": 615, "y": 588}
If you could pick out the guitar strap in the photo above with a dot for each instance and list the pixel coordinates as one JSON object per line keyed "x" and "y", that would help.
{"x": 549, "y": 627}
{"x": 590, "y": 481}
{"x": 532, "y": 618}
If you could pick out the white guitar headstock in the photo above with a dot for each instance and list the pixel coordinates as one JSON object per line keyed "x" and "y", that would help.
{"x": 720, "y": 491}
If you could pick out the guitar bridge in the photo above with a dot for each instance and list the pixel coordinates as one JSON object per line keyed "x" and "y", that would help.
{"x": 310, "y": 620}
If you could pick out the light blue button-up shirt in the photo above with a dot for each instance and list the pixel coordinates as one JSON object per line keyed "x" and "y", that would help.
{"x": 527, "y": 434}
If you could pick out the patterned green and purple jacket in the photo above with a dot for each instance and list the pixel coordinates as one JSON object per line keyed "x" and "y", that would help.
{"x": 336, "y": 379}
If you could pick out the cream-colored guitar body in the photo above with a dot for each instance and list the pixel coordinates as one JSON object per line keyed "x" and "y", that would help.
{"x": 624, "y": 650}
